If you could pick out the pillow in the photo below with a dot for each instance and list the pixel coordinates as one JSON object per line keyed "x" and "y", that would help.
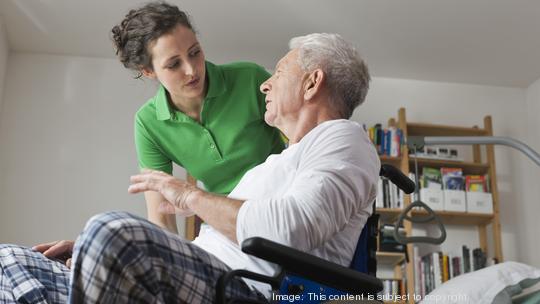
{"x": 482, "y": 286}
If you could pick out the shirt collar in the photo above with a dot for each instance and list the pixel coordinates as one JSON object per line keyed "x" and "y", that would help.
{"x": 216, "y": 87}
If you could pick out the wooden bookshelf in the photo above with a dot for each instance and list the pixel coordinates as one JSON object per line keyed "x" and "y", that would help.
{"x": 477, "y": 166}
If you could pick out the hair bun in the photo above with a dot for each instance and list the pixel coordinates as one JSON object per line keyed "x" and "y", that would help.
{"x": 117, "y": 35}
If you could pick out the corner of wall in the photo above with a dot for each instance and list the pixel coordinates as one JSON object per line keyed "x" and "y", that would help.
{"x": 532, "y": 174}
{"x": 4, "y": 53}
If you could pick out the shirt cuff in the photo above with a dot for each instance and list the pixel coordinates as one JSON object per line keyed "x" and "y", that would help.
{"x": 241, "y": 225}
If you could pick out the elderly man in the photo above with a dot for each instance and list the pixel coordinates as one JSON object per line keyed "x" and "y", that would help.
{"x": 315, "y": 196}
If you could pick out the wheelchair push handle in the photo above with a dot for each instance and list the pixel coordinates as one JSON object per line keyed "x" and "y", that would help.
{"x": 398, "y": 178}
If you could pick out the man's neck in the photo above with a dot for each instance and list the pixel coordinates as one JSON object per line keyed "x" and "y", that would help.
{"x": 307, "y": 121}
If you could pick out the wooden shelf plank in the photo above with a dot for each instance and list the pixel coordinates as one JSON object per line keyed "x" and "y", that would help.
{"x": 468, "y": 167}
{"x": 460, "y": 218}
{"x": 423, "y": 129}
{"x": 390, "y": 258}
{"x": 388, "y": 215}
{"x": 448, "y": 217}
{"x": 395, "y": 161}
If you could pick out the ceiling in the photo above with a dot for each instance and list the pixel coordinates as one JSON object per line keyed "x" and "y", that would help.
{"x": 488, "y": 42}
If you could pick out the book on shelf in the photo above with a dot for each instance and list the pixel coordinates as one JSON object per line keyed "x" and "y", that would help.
{"x": 417, "y": 270}
{"x": 479, "y": 259}
{"x": 452, "y": 179}
{"x": 388, "y": 195}
{"x": 431, "y": 178}
{"x": 387, "y": 141}
{"x": 435, "y": 268}
{"x": 387, "y": 241}
{"x": 391, "y": 289}
{"x": 475, "y": 183}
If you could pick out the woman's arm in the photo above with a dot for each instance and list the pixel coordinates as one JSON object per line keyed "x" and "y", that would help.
{"x": 167, "y": 221}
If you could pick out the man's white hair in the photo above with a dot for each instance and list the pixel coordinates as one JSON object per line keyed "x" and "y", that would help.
{"x": 346, "y": 73}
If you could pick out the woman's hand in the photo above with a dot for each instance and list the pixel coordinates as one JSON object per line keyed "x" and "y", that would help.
{"x": 176, "y": 192}
{"x": 59, "y": 250}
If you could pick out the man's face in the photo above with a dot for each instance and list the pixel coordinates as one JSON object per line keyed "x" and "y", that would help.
{"x": 284, "y": 91}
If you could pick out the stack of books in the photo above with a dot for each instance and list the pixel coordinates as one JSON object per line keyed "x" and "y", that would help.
{"x": 388, "y": 141}
{"x": 433, "y": 269}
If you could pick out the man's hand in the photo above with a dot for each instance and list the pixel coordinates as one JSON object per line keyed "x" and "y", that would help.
{"x": 175, "y": 191}
{"x": 58, "y": 250}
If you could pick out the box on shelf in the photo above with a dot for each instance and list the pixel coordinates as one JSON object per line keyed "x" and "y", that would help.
{"x": 433, "y": 198}
{"x": 454, "y": 200}
{"x": 479, "y": 202}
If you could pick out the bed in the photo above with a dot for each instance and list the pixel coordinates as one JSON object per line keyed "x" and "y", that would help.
{"x": 508, "y": 282}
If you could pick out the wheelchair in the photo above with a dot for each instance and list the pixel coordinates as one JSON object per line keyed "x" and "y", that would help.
{"x": 304, "y": 278}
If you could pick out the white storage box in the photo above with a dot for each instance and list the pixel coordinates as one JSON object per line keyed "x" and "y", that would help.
{"x": 454, "y": 200}
{"x": 433, "y": 198}
{"x": 479, "y": 202}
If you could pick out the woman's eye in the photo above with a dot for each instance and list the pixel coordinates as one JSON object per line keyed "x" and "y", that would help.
{"x": 174, "y": 65}
{"x": 195, "y": 53}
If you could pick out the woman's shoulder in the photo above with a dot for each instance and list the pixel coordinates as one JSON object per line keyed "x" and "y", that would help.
{"x": 242, "y": 67}
{"x": 147, "y": 110}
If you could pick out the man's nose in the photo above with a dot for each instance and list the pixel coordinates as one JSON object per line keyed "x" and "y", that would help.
{"x": 265, "y": 87}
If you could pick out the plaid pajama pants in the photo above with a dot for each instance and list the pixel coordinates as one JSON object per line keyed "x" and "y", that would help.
{"x": 119, "y": 258}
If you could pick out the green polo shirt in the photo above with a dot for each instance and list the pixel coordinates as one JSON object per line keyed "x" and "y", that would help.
{"x": 231, "y": 138}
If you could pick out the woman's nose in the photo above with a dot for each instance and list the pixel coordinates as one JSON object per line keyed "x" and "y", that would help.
{"x": 189, "y": 69}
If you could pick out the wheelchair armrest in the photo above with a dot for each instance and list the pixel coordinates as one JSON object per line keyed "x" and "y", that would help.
{"x": 311, "y": 267}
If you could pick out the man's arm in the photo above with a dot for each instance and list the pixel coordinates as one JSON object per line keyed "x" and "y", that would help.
{"x": 166, "y": 221}
{"x": 218, "y": 211}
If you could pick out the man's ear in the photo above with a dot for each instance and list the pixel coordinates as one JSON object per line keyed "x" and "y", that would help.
{"x": 313, "y": 83}
{"x": 148, "y": 73}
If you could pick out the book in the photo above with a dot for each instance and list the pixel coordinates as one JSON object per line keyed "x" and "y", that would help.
{"x": 379, "y": 201}
{"x": 479, "y": 259}
{"x": 431, "y": 178}
{"x": 452, "y": 179}
{"x": 475, "y": 183}
{"x": 388, "y": 141}
{"x": 387, "y": 241}
{"x": 445, "y": 268}
{"x": 466, "y": 259}
{"x": 456, "y": 266}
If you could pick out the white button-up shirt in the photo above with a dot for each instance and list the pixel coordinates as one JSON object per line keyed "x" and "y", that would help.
{"x": 315, "y": 196}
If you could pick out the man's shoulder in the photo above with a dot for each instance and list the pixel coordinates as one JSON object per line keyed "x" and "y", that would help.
{"x": 339, "y": 136}
{"x": 341, "y": 126}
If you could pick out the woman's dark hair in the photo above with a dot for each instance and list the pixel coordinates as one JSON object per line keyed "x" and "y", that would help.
{"x": 141, "y": 27}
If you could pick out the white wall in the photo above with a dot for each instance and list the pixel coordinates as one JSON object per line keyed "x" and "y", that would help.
{"x": 4, "y": 53}
{"x": 66, "y": 141}
{"x": 66, "y": 144}
{"x": 461, "y": 105}
{"x": 530, "y": 205}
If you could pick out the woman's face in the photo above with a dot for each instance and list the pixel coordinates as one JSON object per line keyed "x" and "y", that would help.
{"x": 178, "y": 64}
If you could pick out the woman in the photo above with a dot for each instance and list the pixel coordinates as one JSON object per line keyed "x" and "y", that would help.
{"x": 207, "y": 118}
